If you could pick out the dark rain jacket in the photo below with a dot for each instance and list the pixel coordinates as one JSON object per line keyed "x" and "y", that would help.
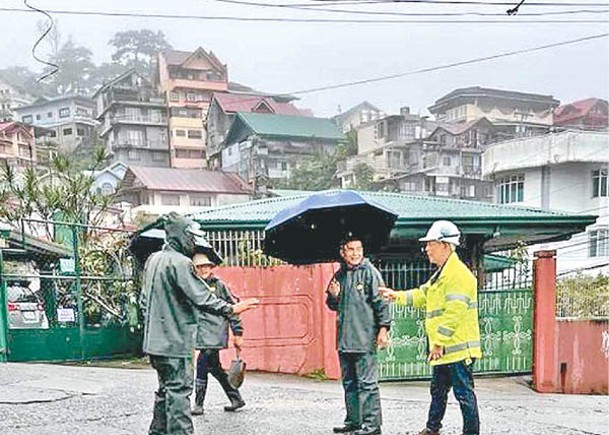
{"x": 171, "y": 293}
{"x": 212, "y": 332}
{"x": 361, "y": 309}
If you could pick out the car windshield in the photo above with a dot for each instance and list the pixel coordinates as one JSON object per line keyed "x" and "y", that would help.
{"x": 20, "y": 294}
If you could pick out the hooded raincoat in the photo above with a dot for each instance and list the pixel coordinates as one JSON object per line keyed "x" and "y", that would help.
{"x": 172, "y": 294}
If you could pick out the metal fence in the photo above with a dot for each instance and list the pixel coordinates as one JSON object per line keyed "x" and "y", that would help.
{"x": 72, "y": 289}
{"x": 241, "y": 248}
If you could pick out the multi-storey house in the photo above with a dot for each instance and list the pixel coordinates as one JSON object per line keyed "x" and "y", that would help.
{"x": 588, "y": 114}
{"x": 565, "y": 171}
{"x": 17, "y": 145}
{"x": 188, "y": 80}
{"x": 133, "y": 120}
{"x": 63, "y": 124}
{"x": 223, "y": 109}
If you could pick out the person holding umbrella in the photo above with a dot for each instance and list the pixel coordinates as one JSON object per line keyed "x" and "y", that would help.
{"x": 170, "y": 296}
{"x": 450, "y": 299}
{"x": 363, "y": 323}
{"x": 212, "y": 336}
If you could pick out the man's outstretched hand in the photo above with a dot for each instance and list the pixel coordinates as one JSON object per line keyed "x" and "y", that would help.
{"x": 244, "y": 305}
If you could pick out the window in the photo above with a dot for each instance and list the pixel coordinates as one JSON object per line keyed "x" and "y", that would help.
{"x": 179, "y": 133}
{"x": 82, "y": 112}
{"x": 38, "y": 117}
{"x": 195, "y": 134}
{"x": 52, "y": 133}
{"x": 600, "y": 183}
{"x": 191, "y": 96}
{"x": 64, "y": 113}
{"x": 49, "y": 114}
{"x": 446, "y": 161}
{"x": 174, "y": 96}
{"x": 133, "y": 155}
{"x": 158, "y": 157}
{"x": 67, "y": 131}
{"x": 80, "y": 131}
{"x": 107, "y": 189}
{"x": 170, "y": 199}
{"x": 510, "y": 189}
{"x": 599, "y": 242}
{"x": 27, "y": 119}
{"x": 200, "y": 201}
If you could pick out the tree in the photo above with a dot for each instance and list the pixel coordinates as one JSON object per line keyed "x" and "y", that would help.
{"x": 24, "y": 78}
{"x": 63, "y": 191}
{"x": 363, "y": 174}
{"x": 314, "y": 174}
{"x": 76, "y": 68}
{"x": 65, "y": 194}
{"x": 104, "y": 73}
{"x": 138, "y": 48}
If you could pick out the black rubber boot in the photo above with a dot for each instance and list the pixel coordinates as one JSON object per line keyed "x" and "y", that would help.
{"x": 200, "y": 390}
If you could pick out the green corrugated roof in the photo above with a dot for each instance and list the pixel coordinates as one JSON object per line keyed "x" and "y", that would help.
{"x": 291, "y": 126}
{"x": 504, "y": 224}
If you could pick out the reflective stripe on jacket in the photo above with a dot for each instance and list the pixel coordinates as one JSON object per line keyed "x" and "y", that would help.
{"x": 450, "y": 300}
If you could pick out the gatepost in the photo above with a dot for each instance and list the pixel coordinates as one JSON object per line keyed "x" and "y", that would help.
{"x": 4, "y": 234}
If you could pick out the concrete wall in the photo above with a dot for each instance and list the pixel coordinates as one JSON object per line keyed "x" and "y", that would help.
{"x": 583, "y": 356}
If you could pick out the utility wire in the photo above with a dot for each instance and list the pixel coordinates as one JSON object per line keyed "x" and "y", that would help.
{"x": 447, "y": 2}
{"x": 404, "y": 14}
{"x": 301, "y": 20}
{"x": 54, "y": 67}
{"x": 596, "y": 266}
{"x": 451, "y": 65}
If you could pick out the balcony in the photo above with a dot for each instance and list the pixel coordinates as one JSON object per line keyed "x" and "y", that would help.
{"x": 144, "y": 144}
{"x": 202, "y": 85}
{"x": 133, "y": 95}
{"x": 138, "y": 119}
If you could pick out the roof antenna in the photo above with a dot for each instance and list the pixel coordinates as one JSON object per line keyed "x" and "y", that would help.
{"x": 54, "y": 67}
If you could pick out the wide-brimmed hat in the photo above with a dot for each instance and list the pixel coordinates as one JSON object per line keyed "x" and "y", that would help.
{"x": 202, "y": 260}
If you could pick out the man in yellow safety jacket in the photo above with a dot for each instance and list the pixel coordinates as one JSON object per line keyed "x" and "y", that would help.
{"x": 450, "y": 300}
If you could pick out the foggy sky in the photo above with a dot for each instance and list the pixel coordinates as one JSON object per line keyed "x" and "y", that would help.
{"x": 285, "y": 57}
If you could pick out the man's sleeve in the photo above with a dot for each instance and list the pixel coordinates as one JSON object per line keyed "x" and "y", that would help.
{"x": 331, "y": 300}
{"x": 234, "y": 321}
{"x": 184, "y": 276}
{"x": 379, "y": 305}
{"x": 457, "y": 302}
{"x": 416, "y": 297}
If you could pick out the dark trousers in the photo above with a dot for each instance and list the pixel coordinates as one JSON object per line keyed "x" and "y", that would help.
{"x": 172, "y": 401}
{"x": 360, "y": 382}
{"x": 459, "y": 377}
{"x": 208, "y": 362}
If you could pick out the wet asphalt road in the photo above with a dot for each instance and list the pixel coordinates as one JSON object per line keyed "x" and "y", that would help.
{"x": 42, "y": 399}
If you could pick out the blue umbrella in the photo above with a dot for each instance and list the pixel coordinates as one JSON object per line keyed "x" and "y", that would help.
{"x": 311, "y": 231}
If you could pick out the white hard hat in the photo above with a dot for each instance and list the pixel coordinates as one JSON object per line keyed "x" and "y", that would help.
{"x": 442, "y": 231}
{"x": 202, "y": 260}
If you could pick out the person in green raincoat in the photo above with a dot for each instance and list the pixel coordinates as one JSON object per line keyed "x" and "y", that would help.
{"x": 171, "y": 296}
{"x": 212, "y": 336}
{"x": 363, "y": 324}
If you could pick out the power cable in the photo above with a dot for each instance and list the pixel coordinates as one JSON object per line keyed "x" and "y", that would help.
{"x": 54, "y": 67}
{"x": 301, "y": 20}
{"x": 450, "y": 65}
{"x": 403, "y": 14}
{"x": 446, "y": 2}
{"x": 596, "y": 266}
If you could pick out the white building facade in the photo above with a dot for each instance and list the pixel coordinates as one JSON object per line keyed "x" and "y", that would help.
{"x": 568, "y": 172}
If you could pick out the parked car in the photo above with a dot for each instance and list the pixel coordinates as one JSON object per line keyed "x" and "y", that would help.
{"x": 25, "y": 309}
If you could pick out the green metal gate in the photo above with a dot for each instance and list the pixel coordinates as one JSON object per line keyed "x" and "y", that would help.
{"x": 506, "y": 320}
{"x": 68, "y": 292}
